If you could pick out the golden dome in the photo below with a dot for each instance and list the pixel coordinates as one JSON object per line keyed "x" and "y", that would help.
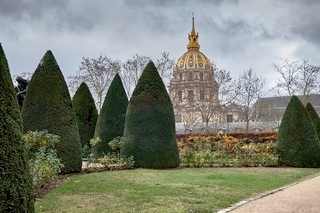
{"x": 193, "y": 58}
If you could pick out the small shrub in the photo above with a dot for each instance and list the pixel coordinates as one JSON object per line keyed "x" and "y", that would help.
{"x": 111, "y": 160}
{"x": 116, "y": 145}
{"x": 45, "y": 167}
{"x": 44, "y": 162}
{"x": 35, "y": 140}
{"x": 86, "y": 151}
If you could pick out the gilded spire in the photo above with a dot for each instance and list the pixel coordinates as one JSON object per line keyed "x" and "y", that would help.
{"x": 193, "y": 32}
{"x": 193, "y": 38}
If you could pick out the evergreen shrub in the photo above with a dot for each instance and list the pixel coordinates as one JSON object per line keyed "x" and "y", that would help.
{"x": 150, "y": 127}
{"x": 110, "y": 123}
{"x": 16, "y": 191}
{"x": 48, "y": 106}
{"x": 314, "y": 116}
{"x": 86, "y": 113}
{"x": 298, "y": 143}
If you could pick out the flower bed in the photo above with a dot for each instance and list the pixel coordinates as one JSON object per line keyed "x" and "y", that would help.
{"x": 231, "y": 150}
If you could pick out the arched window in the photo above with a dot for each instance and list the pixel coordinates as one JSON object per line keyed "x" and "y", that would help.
{"x": 180, "y": 95}
{"x": 201, "y": 76}
{"x": 202, "y": 95}
{"x": 190, "y": 95}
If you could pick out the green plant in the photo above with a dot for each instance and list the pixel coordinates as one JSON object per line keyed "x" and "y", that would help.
{"x": 16, "y": 192}
{"x": 149, "y": 125}
{"x": 45, "y": 167}
{"x": 108, "y": 161}
{"x": 44, "y": 162}
{"x": 37, "y": 139}
{"x": 111, "y": 120}
{"x": 116, "y": 145}
{"x": 86, "y": 151}
{"x": 186, "y": 158}
{"x": 128, "y": 162}
{"x": 95, "y": 141}
{"x": 48, "y": 106}
{"x": 112, "y": 160}
{"x": 86, "y": 113}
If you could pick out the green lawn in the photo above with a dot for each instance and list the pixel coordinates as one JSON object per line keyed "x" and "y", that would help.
{"x": 175, "y": 190}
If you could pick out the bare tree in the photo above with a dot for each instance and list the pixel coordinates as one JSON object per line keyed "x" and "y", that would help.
{"x": 131, "y": 71}
{"x": 308, "y": 81}
{"x": 133, "y": 68}
{"x": 228, "y": 89}
{"x": 208, "y": 108}
{"x": 165, "y": 67}
{"x": 288, "y": 79}
{"x": 97, "y": 73}
{"x": 250, "y": 90}
{"x": 25, "y": 75}
{"x": 225, "y": 91}
{"x": 190, "y": 120}
{"x": 297, "y": 78}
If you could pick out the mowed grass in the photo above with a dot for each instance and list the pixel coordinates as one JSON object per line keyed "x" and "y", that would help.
{"x": 175, "y": 190}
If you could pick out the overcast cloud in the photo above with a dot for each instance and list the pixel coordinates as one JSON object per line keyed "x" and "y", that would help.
{"x": 235, "y": 34}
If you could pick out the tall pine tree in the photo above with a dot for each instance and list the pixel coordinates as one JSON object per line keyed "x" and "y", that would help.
{"x": 48, "y": 106}
{"x": 16, "y": 190}
{"x": 150, "y": 126}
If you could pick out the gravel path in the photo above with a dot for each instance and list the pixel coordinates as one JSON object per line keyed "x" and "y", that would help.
{"x": 296, "y": 198}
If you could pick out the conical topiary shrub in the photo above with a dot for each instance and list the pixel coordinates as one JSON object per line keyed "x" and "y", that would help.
{"x": 314, "y": 116}
{"x": 111, "y": 119}
{"x": 16, "y": 189}
{"x": 48, "y": 106}
{"x": 150, "y": 127}
{"x": 297, "y": 143}
{"x": 86, "y": 113}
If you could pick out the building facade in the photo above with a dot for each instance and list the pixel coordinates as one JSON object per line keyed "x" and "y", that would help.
{"x": 193, "y": 89}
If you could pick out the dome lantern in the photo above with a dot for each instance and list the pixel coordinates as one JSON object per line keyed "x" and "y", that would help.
{"x": 193, "y": 38}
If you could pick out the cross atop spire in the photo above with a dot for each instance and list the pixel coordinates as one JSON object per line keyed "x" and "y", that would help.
{"x": 193, "y": 38}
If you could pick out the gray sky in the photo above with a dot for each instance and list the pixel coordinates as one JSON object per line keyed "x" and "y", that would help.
{"x": 234, "y": 34}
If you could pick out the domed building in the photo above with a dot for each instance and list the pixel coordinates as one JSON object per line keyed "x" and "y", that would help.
{"x": 193, "y": 89}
